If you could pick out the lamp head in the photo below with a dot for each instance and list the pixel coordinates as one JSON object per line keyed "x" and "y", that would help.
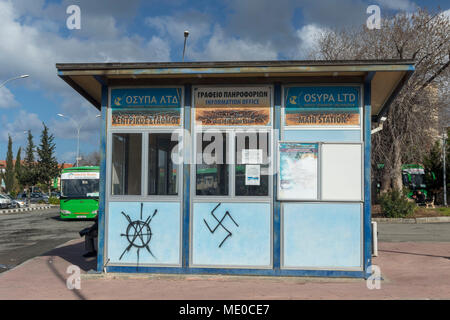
{"x": 186, "y": 33}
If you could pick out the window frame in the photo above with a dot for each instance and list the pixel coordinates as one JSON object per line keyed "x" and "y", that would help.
{"x": 231, "y": 148}
{"x": 144, "y": 131}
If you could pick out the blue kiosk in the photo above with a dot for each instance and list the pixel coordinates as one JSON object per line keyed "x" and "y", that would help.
{"x": 255, "y": 168}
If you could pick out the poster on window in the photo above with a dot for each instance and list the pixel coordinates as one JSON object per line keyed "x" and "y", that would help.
{"x": 298, "y": 175}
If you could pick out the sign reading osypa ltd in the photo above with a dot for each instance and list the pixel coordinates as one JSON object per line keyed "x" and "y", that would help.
{"x": 323, "y": 96}
{"x": 80, "y": 175}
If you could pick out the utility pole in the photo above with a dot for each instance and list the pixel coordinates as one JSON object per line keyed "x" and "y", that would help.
{"x": 444, "y": 155}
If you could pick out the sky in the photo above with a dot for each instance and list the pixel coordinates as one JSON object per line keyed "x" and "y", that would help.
{"x": 34, "y": 37}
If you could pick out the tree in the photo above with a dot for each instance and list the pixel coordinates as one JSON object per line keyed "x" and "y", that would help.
{"x": 433, "y": 164}
{"x": 92, "y": 159}
{"x": 47, "y": 163}
{"x": 408, "y": 131}
{"x": 9, "y": 170}
{"x": 28, "y": 174}
{"x": 18, "y": 170}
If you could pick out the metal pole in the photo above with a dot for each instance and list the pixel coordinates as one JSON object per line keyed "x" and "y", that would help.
{"x": 186, "y": 34}
{"x": 15, "y": 78}
{"x": 444, "y": 143}
{"x": 78, "y": 143}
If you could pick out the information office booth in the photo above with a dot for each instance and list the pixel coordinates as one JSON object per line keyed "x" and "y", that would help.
{"x": 257, "y": 168}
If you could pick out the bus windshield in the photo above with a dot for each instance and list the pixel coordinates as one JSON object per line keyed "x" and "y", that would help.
{"x": 417, "y": 179}
{"x": 75, "y": 188}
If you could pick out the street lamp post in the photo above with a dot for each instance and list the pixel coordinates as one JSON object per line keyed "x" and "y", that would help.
{"x": 186, "y": 34}
{"x": 444, "y": 155}
{"x": 15, "y": 78}
{"x": 78, "y": 126}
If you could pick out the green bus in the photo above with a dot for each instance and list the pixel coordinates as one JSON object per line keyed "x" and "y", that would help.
{"x": 79, "y": 192}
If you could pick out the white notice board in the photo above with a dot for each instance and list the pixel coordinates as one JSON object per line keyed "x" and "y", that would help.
{"x": 341, "y": 176}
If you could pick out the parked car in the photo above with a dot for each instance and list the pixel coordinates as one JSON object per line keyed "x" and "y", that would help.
{"x": 17, "y": 203}
{"x": 36, "y": 197}
{"x": 14, "y": 203}
{"x": 5, "y": 202}
{"x": 56, "y": 194}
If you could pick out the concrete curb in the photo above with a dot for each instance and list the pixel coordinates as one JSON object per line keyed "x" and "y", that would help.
{"x": 413, "y": 220}
{"x": 17, "y": 210}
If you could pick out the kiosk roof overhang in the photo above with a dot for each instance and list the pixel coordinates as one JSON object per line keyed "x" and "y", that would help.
{"x": 388, "y": 76}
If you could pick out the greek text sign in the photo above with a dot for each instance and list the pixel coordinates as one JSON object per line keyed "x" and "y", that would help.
{"x": 233, "y": 105}
{"x": 146, "y": 106}
{"x": 322, "y": 106}
{"x": 80, "y": 175}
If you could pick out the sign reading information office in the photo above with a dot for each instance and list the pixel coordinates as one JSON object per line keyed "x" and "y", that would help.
{"x": 322, "y": 106}
{"x": 232, "y": 106}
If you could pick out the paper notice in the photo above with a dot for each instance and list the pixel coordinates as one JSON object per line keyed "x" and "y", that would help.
{"x": 252, "y": 156}
{"x": 252, "y": 175}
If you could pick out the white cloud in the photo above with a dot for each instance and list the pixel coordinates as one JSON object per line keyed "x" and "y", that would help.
{"x": 308, "y": 36}
{"x": 24, "y": 121}
{"x": 30, "y": 49}
{"x": 196, "y": 23}
{"x": 405, "y": 5}
{"x": 7, "y": 99}
{"x": 32, "y": 45}
{"x": 219, "y": 47}
{"x": 446, "y": 13}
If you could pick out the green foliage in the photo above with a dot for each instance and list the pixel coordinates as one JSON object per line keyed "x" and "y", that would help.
{"x": 28, "y": 175}
{"x": 47, "y": 163}
{"x": 17, "y": 171}
{"x": 53, "y": 200}
{"x": 395, "y": 204}
{"x": 9, "y": 170}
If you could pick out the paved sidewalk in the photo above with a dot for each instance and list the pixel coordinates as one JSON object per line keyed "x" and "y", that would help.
{"x": 410, "y": 271}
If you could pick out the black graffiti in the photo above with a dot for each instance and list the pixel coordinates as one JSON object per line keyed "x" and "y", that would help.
{"x": 219, "y": 223}
{"x": 138, "y": 234}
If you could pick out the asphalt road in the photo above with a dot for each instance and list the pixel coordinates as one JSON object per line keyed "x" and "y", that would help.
{"x": 420, "y": 232}
{"x": 27, "y": 235}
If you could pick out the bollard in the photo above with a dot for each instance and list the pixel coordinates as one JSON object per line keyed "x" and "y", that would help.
{"x": 374, "y": 239}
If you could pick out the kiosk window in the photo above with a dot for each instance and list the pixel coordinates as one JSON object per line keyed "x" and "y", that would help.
{"x": 162, "y": 172}
{"x": 252, "y": 164}
{"x": 211, "y": 168}
{"x": 126, "y": 163}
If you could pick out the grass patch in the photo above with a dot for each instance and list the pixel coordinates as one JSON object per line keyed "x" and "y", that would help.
{"x": 444, "y": 211}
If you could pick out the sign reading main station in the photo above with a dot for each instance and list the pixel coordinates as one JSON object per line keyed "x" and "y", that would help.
{"x": 232, "y": 106}
{"x": 322, "y": 106}
{"x": 146, "y": 106}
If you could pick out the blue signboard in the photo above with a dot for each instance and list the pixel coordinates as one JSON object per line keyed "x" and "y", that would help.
{"x": 145, "y": 97}
{"x": 146, "y": 107}
{"x": 322, "y": 105}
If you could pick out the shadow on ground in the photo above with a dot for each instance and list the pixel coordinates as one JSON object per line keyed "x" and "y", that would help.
{"x": 74, "y": 255}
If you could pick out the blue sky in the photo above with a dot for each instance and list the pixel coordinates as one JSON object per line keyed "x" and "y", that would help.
{"x": 35, "y": 37}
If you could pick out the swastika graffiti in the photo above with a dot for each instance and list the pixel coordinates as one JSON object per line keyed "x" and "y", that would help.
{"x": 219, "y": 223}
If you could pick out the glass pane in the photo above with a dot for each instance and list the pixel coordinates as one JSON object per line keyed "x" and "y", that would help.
{"x": 162, "y": 172}
{"x": 79, "y": 188}
{"x": 212, "y": 170}
{"x": 126, "y": 163}
{"x": 252, "y": 164}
